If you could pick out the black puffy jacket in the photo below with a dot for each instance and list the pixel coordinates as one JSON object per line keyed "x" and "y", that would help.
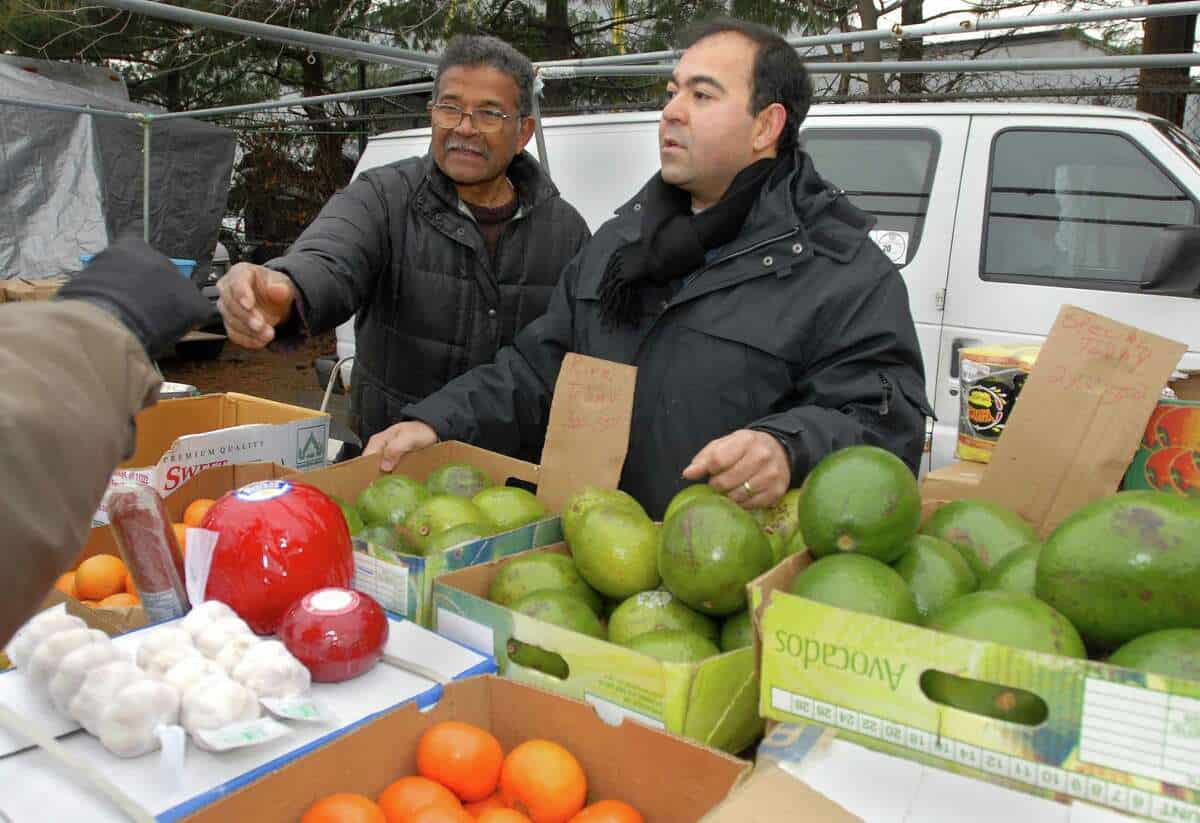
{"x": 800, "y": 327}
{"x": 396, "y": 249}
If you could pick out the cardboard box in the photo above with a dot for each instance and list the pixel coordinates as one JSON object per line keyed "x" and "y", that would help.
{"x": 959, "y": 480}
{"x": 1168, "y": 457}
{"x": 668, "y": 779}
{"x": 22, "y": 289}
{"x": 586, "y": 441}
{"x": 713, "y": 701}
{"x": 176, "y": 439}
{"x": 861, "y": 674}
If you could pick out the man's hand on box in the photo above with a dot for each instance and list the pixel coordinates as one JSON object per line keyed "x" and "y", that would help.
{"x": 253, "y": 301}
{"x": 396, "y": 441}
{"x": 750, "y": 467}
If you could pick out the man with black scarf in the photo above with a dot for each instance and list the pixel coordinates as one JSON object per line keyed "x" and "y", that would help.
{"x": 767, "y": 329}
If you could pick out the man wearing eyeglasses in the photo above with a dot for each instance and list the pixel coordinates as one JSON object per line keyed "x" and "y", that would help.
{"x": 441, "y": 259}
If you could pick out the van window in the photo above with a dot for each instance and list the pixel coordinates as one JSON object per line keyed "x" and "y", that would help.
{"x": 1076, "y": 208}
{"x": 888, "y": 172}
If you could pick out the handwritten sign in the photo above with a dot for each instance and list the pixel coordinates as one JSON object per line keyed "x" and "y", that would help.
{"x": 588, "y": 433}
{"x": 1080, "y": 417}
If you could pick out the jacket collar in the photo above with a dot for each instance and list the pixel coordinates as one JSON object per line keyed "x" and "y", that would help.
{"x": 533, "y": 186}
{"x": 827, "y": 222}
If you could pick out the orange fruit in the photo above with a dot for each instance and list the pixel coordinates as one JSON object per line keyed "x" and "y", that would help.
{"x": 129, "y": 585}
{"x": 493, "y": 802}
{"x": 99, "y": 576}
{"x": 193, "y": 515}
{"x": 543, "y": 780}
{"x": 344, "y": 807}
{"x": 502, "y": 816}
{"x": 181, "y": 537}
{"x": 408, "y": 795}
{"x": 463, "y": 758}
{"x": 441, "y": 814}
{"x": 120, "y": 600}
{"x": 66, "y": 584}
{"x": 609, "y": 811}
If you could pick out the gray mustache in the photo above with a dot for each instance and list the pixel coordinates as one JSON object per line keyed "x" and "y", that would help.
{"x": 452, "y": 145}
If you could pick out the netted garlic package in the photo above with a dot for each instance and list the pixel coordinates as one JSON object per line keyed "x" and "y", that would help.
{"x": 50, "y": 652}
{"x": 217, "y": 634}
{"x": 166, "y": 658}
{"x": 189, "y": 671}
{"x": 203, "y": 614}
{"x": 233, "y": 651}
{"x": 52, "y": 621}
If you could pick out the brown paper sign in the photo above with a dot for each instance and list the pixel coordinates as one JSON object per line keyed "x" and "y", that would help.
{"x": 1080, "y": 416}
{"x": 588, "y": 434}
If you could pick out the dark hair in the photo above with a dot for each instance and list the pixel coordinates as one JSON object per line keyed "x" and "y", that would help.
{"x": 778, "y": 75}
{"x": 483, "y": 50}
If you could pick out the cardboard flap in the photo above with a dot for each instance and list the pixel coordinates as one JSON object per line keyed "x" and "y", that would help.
{"x": 768, "y": 792}
{"x": 1081, "y": 415}
{"x": 588, "y": 433}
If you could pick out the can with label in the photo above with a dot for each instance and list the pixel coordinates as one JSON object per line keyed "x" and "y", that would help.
{"x": 990, "y": 380}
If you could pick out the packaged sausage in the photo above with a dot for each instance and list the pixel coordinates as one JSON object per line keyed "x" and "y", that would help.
{"x": 146, "y": 540}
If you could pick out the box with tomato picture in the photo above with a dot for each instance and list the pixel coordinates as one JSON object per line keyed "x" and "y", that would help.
{"x": 586, "y": 440}
{"x": 1168, "y": 458}
{"x": 664, "y": 778}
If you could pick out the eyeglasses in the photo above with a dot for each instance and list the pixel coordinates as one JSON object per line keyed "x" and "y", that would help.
{"x": 448, "y": 116}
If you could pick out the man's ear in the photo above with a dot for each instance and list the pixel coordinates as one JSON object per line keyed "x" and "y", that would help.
{"x": 768, "y": 125}
{"x": 525, "y": 132}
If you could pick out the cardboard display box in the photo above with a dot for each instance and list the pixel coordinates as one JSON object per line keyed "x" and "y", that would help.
{"x": 1112, "y": 736}
{"x": 714, "y": 701}
{"x": 176, "y": 439}
{"x": 668, "y": 779}
{"x": 1168, "y": 457}
{"x": 586, "y": 441}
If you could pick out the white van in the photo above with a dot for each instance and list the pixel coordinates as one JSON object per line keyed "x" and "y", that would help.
{"x": 997, "y": 214}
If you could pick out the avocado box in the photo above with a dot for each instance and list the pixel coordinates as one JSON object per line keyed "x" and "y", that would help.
{"x": 713, "y": 701}
{"x": 586, "y": 440}
{"x": 669, "y": 780}
{"x": 402, "y": 583}
{"x": 1111, "y": 736}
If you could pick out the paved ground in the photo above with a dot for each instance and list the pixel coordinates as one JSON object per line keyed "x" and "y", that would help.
{"x": 285, "y": 376}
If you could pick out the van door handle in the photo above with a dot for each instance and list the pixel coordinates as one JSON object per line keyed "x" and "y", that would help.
{"x": 958, "y": 344}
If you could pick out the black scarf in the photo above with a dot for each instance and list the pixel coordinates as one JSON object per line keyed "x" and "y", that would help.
{"x": 674, "y": 240}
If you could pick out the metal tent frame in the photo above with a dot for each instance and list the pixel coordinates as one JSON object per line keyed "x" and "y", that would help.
{"x": 646, "y": 64}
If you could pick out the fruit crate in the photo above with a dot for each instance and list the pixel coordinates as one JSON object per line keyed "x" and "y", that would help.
{"x": 404, "y": 585}
{"x": 713, "y": 701}
{"x": 1112, "y": 736}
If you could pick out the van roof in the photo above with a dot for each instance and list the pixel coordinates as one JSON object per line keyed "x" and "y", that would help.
{"x": 848, "y": 110}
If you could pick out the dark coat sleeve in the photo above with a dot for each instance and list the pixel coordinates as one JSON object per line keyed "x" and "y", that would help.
{"x": 338, "y": 259}
{"x": 864, "y": 384}
{"x": 505, "y": 405}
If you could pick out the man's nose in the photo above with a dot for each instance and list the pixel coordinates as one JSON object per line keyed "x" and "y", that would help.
{"x": 466, "y": 126}
{"x": 675, "y": 110}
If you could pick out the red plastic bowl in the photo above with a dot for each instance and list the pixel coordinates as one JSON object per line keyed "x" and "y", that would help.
{"x": 279, "y": 540}
{"x": 337, "y": 633}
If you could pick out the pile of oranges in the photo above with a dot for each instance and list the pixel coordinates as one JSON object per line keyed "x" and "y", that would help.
{"x": 463, "y": 776}
{"x": 102, "y": 581}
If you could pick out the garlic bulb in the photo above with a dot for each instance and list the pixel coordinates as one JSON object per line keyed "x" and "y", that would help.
{"x": 75, "y": 667}
{"x": 218, "y": 701}
{"x": 52, "y": 621}
{"x": 160, "y": 639}
{"x": 270, "y": 670}
{"x": 99, "y": 688}
{"x": 127, "y": 725}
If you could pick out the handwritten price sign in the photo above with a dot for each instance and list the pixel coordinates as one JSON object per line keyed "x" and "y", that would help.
{"x": 1080, "y": 416}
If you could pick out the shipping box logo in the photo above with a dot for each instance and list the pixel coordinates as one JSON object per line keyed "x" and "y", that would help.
{"x": 310, "y": 446}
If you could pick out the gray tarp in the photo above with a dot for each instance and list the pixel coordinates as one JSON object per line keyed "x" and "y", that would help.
{"x": 69, "y": 183}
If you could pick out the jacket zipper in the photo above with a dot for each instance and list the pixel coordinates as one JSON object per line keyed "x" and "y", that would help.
{"x": 887, "y": 394}
{"x": 739, "y": 252}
